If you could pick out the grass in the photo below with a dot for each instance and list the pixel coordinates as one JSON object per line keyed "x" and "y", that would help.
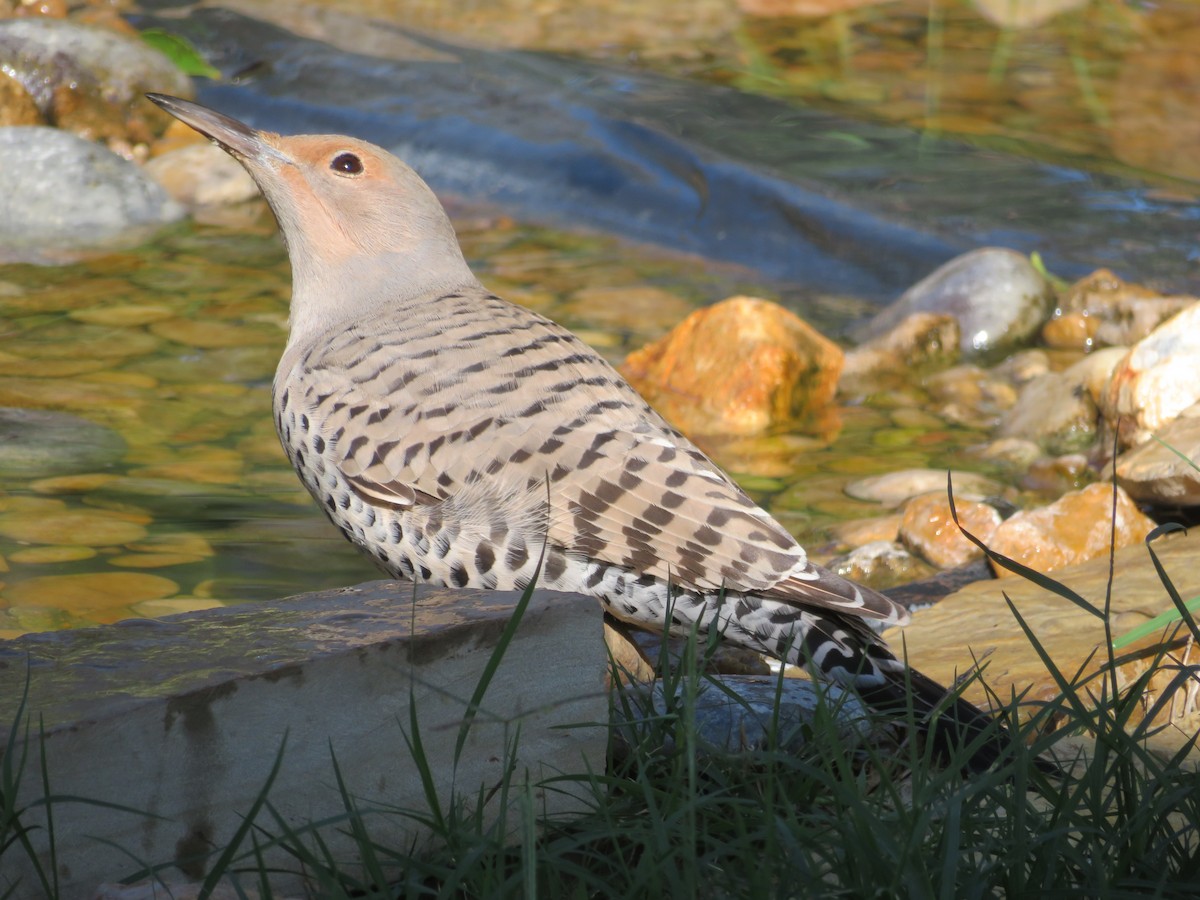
{"x": 670, "y": 817}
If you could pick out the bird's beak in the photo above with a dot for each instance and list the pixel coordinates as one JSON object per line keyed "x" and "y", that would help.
{"x": 236, "y": 138}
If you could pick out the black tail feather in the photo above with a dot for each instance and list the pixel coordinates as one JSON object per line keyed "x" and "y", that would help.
{"x": 958, "y": 730}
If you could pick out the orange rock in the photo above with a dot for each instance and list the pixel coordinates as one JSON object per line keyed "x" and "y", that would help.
{"x": 928, "y": 529}
{"x": 16, "y": 105}
{"x": 1073, "y": 529}
{"x": 738, "y": 367}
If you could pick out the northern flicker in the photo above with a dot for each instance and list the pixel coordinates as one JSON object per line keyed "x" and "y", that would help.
{"x": 458, "y": 439}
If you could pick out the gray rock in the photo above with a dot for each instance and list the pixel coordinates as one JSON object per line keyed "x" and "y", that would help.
{"x": 61, "y": 196}
{"x": 36, "y": 443}
{"x": 45, "y": 54}
{"x": 739, "y": 712}
{"x": 997, "y": 296}
{"x": 893, "y": 488}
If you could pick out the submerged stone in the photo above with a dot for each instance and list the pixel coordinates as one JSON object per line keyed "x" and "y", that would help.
{"x": 37, "y": 443}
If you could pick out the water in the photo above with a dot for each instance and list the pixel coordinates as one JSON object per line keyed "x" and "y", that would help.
{"x": 173, "y": 346}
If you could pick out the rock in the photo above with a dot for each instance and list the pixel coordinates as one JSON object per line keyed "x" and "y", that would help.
{"x": 928, "y": 529}
{"x": 738, "y": 367}
{"x": 61, "y": 196}
{"x": 814, "y": 9}
{"x": 970, "y": 396}
{"x": 90, "y": 80}
{"x": 893, "y": 488}
{"x": 1054, "y": 476}
{"x": 734, "y": 713}
{"x": 1156, "y": 380}
{"x": 1058, "y": 409}
{"x": 16, "y": 106}
{"x": 976, "y": 623}
{"x": 1073, "y": 529}
{"x": 38, "y": 443}
{"x": 857, "y": 532}
{"x": 1017, "y": 453}
{"x": 1024, "y": 13}
{"x": 202, "y": 175}
{"x": 997, "y": 296}
{"x": 881, "y": 565}
{"x": 918, "y": 341}
{"x": 1154, "y": 473}
{"x": 1022, "y": 367}
{"x": 1102, "y": 310}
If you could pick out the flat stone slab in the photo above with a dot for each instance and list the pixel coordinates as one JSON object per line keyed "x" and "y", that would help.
{"x": 976, "y": 622}
{"x": 182, "y": 718}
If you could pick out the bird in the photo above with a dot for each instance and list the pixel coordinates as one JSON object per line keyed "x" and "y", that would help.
{"x": 461, "y": 440}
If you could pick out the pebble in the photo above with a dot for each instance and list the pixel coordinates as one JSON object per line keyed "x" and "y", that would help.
{"x": 893, "y": 488}
{"x": 881, "y": 565}
{"x": 98, "y": 596}
{"x": 76, "y": 527}
{"x": 37, "y": 443}
{"x": 996, "y": 295}
{"x": 1166, "y": 471}
{"x": 928, "y": 529}
{"x": 40, "y": 556}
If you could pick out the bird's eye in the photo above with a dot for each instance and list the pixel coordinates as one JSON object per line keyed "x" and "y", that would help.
{"x": 347, "y": 164}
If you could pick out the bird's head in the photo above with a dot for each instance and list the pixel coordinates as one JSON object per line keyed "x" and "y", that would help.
{"x": 360, "y": 225}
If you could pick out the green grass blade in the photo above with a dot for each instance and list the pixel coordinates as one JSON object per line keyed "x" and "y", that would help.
{"x": 1042, "y": 581}
{"x": 493, "y": 663}
{"x": 227, "y": 855}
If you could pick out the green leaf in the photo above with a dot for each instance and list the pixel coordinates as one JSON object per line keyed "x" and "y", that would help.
{"x": 181, "y": 52}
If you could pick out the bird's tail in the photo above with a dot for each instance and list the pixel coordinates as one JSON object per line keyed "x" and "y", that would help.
{"x": 960, "y": 732}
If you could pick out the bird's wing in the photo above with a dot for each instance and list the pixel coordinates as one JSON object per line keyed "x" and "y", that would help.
{"x": 542, "y": 412}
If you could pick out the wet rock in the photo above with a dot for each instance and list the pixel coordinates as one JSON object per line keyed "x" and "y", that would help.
{"x": 881, "y": 565}
{"x": 1023, "y": 366}
{"x": 100, "y": 597}
{"x": 1103, "y": 310}
{"x": 893, "y": 488}
{"x": 1155, "y": 472}
{"x": 1073, "y": 529}
{"x": 738, "y": 367}
{"x": 1054, "y": 476}
{"x": 16, "y": 106}
{"x": 61, "y": 196}
{"x": 977, "y": 623}
{"x": 1018, "y": 453}
{"x": 970, "y": 396}
{"x": 918, "y": 341}
{"x": 1156, "y": 380}
{"x": 38, "y": 443}
{"x": 998, "y": 298}
{"x": 815, "y": 9}
{"x": 1058, "y": 410}
{"x": 1024, "y": 13}
{"x": 928, "y": 529}
{"x": 857, "y": 532}
{"x": 202, "y": 175}
{"x": 90, "y": 80}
